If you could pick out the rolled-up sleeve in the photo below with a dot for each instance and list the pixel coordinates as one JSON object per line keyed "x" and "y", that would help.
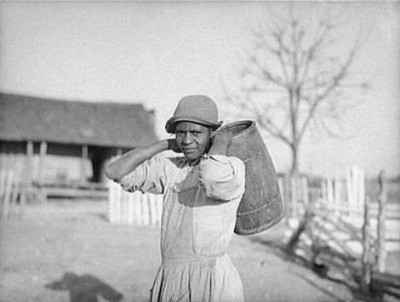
{"x": 148, "y": 177}
{"x": 222, "y": 177}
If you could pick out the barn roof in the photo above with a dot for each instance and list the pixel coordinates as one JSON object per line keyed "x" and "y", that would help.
{"x": 26, "y": 118}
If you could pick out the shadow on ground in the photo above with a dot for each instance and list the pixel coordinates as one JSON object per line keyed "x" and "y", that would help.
{"x": 85, "y": 288}
{"x": 103, "y": 217}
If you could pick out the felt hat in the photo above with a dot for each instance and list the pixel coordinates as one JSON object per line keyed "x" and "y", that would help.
{"x": 199, "y": 109}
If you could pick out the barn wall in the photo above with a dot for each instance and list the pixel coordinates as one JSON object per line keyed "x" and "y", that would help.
{"x": 63, "y": 164}
{"x": 55, "y": 169}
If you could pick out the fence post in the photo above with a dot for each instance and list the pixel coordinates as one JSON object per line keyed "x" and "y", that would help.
{"x": 153, "y": 202}
{"x": 329, "y": 192}
{"x": 124, "y": 207}
{"x": 336, "y": 195}
{"x": 381, "y": 222}
{"x": 324, "y": 192}
{"x": 130, "y": 209}
{"x": 138, "y": 208}
{"x": 145, "y": 210}
{"x": 355, "y": 180}
{"x": 9, "y": 186}
{"x": 350, "y": 192}
{"x": 366, "y": 266}
{"x": 3, "y": 182}
{"x": 114, "y": 202}
{"x": 160, "y": 205}
{"x": 361, "y": 189}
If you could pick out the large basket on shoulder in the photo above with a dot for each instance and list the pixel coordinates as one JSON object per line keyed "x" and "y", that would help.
{"x": 261, "y": 205}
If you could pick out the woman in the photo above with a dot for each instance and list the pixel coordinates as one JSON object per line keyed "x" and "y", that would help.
{"x": 202, "y": 191}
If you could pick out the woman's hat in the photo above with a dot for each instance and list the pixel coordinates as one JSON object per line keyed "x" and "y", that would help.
{"x": 199, "y": 109}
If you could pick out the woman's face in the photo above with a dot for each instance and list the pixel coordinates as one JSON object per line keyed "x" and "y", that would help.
{"x": 192, "y": 139}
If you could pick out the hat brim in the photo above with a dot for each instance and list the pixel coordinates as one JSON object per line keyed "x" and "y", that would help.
{"x": 171, "y": 123}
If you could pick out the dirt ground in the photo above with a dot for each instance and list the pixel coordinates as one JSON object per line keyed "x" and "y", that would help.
{"x": 75, "y": 237}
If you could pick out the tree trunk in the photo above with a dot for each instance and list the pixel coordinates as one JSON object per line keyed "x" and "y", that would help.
{"x": 295, "y": 167}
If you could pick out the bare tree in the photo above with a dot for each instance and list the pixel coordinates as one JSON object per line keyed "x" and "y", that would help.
{"x": 295, "y": 77}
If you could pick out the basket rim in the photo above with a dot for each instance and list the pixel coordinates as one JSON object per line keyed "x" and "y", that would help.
{"x": 251, "y": 123}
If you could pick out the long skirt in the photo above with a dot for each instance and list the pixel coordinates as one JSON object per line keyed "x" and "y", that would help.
{"x": 195, "y": 279}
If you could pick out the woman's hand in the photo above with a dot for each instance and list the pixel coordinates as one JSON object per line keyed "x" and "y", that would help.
{"x": 221, "y": 142}
{"x": 173, "y": 146}
{"x": 223, "y": 137}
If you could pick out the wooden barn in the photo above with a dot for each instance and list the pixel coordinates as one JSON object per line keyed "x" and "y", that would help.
{"x": 66, "y": 143}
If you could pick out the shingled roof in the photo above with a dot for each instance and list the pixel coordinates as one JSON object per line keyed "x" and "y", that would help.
{"x": 26, "y": 118}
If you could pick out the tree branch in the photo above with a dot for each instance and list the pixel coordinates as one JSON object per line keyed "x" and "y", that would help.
{"x": 334, "y": 83}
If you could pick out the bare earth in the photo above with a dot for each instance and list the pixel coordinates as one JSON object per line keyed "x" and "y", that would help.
{"x": 75, "y": 237}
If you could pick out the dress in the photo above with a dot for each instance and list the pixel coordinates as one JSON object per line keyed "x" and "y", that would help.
{"x": 199, "y": 214}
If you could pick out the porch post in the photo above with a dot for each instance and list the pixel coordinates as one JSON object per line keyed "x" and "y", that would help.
{"x": 85, "y": 156}
{"x": 42, "y": 157}
{"x": 29, "y": 163}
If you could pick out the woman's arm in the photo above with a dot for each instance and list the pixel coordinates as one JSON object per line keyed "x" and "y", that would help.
{"x": 128, "y": 162}
{"x": 222, "y": 177}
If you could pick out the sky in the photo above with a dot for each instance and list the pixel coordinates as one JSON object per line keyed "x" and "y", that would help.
{"x": 157, "y": 52}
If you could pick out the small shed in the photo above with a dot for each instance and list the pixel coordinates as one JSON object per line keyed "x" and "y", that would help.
{"x": 60, "y": 141}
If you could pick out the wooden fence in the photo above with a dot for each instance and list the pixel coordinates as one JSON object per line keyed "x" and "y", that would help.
{"x": 337, "y": 226}
{"x": 341, "y": 195}
{"x": 344, "y": 199}
{"x": 134, "y": 208}
{"x": 11, "y": 199}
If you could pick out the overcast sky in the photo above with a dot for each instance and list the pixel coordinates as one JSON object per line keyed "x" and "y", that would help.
{"x": 157, "y": 52}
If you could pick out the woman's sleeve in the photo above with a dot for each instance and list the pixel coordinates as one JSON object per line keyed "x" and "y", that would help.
{"x": 222, "y": 177}
{"x": 148, "y": 177}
